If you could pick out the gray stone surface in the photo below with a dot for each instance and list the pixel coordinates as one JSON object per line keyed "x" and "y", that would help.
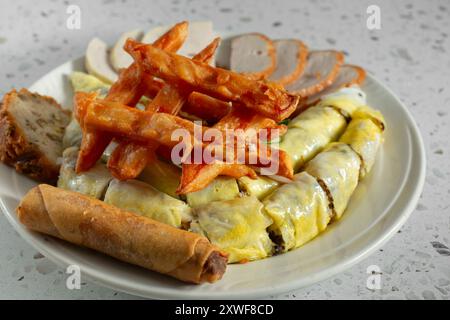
{"x": 411, "y": 54}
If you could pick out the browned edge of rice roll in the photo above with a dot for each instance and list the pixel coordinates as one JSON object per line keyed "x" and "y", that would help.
{"x": 126, "y": 236}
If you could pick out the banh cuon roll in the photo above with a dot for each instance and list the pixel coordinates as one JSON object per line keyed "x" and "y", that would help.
{"x": 299, "y": 210}
{"x": 238, "y": 226}
{"x": 141, "y": 198}
{"x": 93, "y": 182}
{"x": 309, "y": 133}
{"x": 303, "y": 208}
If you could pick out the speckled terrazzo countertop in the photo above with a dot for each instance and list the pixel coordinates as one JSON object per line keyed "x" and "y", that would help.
{"x": 410, "y": 53}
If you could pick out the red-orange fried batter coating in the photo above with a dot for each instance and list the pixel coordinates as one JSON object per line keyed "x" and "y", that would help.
{"x": 127, "y": 90}
{"x": 196, "y": 176}
{"x": 129, "y": 158}
{"x": 265, "y": 98}
{"x": 234, "y": 102}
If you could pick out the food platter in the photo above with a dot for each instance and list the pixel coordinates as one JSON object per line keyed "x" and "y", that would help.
{"x": 380, "y": 205}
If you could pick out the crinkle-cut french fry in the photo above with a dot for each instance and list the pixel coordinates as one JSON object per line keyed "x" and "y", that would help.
{"x": 129, "y": 159}
{"x": 195, "y": 177}
{"x": 205, "y": 107}
{"x": 266, "y": 98}
{"x": 127, "y": 90}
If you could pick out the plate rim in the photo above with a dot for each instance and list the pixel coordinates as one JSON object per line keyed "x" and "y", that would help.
{"x": 408, "y": 204}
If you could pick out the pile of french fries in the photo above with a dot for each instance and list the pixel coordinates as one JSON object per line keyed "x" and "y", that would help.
{"x": 176, "y": 86}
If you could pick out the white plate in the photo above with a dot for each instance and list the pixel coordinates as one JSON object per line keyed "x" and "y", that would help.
{"x": 380, "y": 206}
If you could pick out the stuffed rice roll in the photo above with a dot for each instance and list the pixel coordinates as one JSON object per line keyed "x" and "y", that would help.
{"x": 72, "y": 135}
{"x": 259, "y": 187}
{"x": 300, "y": 210}
{"x": 83, "y": 82}
{"x": 310, "y": 132}
{"x": 236, "y": 226}
{"x": 365, "y": 135}
{"x": 92, "y": 183}
{"x": 346, "y": 100}
{"x": 143, "y": 199}
{"x": 162, "y": 176}
{"x": 337, "y": 170}
{"x": 221, "y": 188}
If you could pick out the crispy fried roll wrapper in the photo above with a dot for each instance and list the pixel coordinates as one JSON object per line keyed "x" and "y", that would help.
{"x": 130, "y": 158}
{"x": 127, "y": 90}
{"x": 121, "y": 234}
{"x": 174, "y": 38}
{"x": 197, "y": 176}
{"x": 205, "y": 107}
{"x": 265, "y": 98}
{"x": 132, "y": 123}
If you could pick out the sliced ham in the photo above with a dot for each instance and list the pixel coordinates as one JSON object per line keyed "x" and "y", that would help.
{"x": 321, "y": 70}
{"x": 348, "y": 75}
{"x": 253, "y": 54}
{"x": 290, "y": 62}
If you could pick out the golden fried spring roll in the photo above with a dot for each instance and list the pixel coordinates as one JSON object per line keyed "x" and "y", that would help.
{"x": 126, "y": 236}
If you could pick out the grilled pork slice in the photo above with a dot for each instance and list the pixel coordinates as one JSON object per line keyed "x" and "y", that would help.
{"x": 348, "y": 75}
{"x": 253, "y": 54}
{"x": 291, "y": 60}
{"x": 321, "y": 70}
{"x": 31, "y": 132}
